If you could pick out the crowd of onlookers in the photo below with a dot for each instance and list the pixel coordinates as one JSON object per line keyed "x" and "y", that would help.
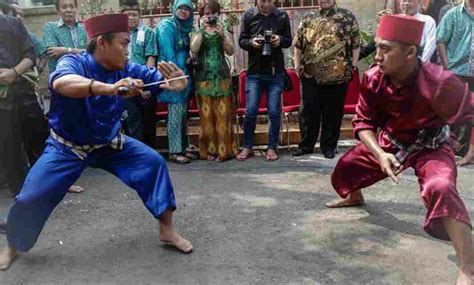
{"x": 327, "y": 48}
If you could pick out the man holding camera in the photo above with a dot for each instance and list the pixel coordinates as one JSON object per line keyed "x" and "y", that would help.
{"x": 265, "y": 31}
{"x": 327, "y": 47}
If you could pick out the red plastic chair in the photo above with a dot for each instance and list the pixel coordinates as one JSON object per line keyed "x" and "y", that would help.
{"x": 352, "y": 95}
{"x": 291, "y": 101}
{"x": 193, "y": 110}
{"x": 161, "y": 112}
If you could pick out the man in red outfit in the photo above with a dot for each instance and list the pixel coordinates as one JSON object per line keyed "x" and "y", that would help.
{"x": 402, "y": 120}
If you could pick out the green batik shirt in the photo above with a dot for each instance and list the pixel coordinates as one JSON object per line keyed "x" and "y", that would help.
{"x": 456, "y": 31}
{"x": 212, "y": 71}
{"x": 142, "y": 45}
{"x": 57, "y": 34}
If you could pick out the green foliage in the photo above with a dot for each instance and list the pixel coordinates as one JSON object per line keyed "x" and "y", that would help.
{"x": 367, "y": 37}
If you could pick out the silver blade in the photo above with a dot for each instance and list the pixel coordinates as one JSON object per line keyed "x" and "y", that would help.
{"x": 166, "y": 80}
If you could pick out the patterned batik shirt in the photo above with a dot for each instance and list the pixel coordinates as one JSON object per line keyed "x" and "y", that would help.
{"x": 326, "y": 40}
{"x": 142, "y": 45}
{"x": 57, "y": 34}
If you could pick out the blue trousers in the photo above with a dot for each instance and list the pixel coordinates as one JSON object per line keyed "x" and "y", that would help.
{"x": 137, "y": 165}
{"x": 254, "y": 86}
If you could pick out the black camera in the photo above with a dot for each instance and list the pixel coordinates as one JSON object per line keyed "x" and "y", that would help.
{"x": 212, "y": 20}
{"x": 267, "y": 48}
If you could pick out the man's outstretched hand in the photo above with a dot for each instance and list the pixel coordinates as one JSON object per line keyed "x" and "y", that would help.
{"x": 170, "y": 71}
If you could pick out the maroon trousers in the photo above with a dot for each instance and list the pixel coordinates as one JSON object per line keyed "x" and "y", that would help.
{"x": 436, "y": 171}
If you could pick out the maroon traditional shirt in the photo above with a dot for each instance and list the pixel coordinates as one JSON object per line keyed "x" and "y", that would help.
{"x": 431, "y": 97}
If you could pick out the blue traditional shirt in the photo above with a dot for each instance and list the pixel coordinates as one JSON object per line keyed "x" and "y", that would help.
{"x": 173, "y": 37}
{"x": 456, "y": 32}
{"x": 57, "y": 34}
{"x": 142, "y": 45}
{"x": 94, "y": 119}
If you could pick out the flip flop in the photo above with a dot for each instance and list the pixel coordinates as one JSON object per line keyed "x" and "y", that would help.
{"x": 179, "y": 159}
{"x": 272, "y": 157}
{"x": 244, "y": 155}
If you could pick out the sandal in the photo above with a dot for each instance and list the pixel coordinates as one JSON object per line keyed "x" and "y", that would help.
{"x": 211, "y": 157}
{"x": 271, "y": 155}
{"x": 179, "y": 159}
{"x": 190, "y": 155}
{"x": 244, "y": 154}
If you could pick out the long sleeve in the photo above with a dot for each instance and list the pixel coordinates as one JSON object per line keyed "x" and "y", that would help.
{"x": 166, "y": 37}
{"x": 430, "y": 40}
{"x": 286, "y": 38}
{"x": 366, "y": 110}
{"x": 245, "y": 38}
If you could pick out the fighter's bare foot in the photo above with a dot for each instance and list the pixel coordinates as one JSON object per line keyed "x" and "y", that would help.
{"x": 173, "y": 238}
{"x": 7, "y": 256}
{"x": 464, "y": 278}
{"x": 468, "y": 159}
{"x": 352, "y": 200}
{"x": 75, "y": 189}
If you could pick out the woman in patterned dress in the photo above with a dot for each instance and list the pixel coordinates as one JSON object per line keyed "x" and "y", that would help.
{"x": 213, "y": 86}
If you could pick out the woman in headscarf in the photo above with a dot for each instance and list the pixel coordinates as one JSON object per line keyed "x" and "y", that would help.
{"x": 213, "y": 85}
{"x": 173, "y": 38}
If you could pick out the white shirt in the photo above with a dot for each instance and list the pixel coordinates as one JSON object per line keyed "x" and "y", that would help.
{"x": 428, "y": 41}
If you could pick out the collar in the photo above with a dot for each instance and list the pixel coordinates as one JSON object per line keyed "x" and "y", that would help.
{"x": 61, "y": 22}
{"x": 140, "y": 27}
{"x": 256, "y": 11}
{"x": 411, "y": 79}
{"x": 328, "y": 11}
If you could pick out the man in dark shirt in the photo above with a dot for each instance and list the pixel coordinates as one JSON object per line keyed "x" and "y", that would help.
{"x": 18, "y": 104}
{"x": 266, "y": 69}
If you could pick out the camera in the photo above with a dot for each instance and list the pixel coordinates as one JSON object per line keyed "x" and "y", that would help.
{"x": 267, "y": 48}
{"x": 212, "y": 20}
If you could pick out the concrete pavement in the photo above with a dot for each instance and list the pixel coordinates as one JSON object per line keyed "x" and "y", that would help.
{"x": 251, "y": 222}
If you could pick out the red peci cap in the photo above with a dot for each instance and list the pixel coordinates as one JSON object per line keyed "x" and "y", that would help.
{"x": 107, "y": 23}
{"x": 400, "y": 28}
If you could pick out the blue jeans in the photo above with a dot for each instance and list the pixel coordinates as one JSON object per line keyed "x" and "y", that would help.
{"x": 254, "y": 86}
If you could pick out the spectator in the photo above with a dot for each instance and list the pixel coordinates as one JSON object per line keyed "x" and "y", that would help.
{"x": 446, "y": 8}
{"x": 434, "y": 9}
{"x": 325, "y": 59}
{"x": 19, "y": 110}
{"x": 455, "y": 40}
{"x": 41, "y": 58}
{"x": 213, "y": 85}
{"x": 142, "y": 49}
{"x": 34, "y": 126}
{"x": 173, "y": 38}
{"x": 265, "y": 30}
{"x": 65, "y": 36}
{"x": 428, "y": 42}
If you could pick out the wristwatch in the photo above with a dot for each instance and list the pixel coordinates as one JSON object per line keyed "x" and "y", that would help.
{"x": 69, "y": 50}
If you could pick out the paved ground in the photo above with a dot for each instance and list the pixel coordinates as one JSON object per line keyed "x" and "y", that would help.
{"x": 251, "y": 222}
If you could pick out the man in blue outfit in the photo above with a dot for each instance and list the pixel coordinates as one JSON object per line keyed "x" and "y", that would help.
{"x": 85, "y": 131}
